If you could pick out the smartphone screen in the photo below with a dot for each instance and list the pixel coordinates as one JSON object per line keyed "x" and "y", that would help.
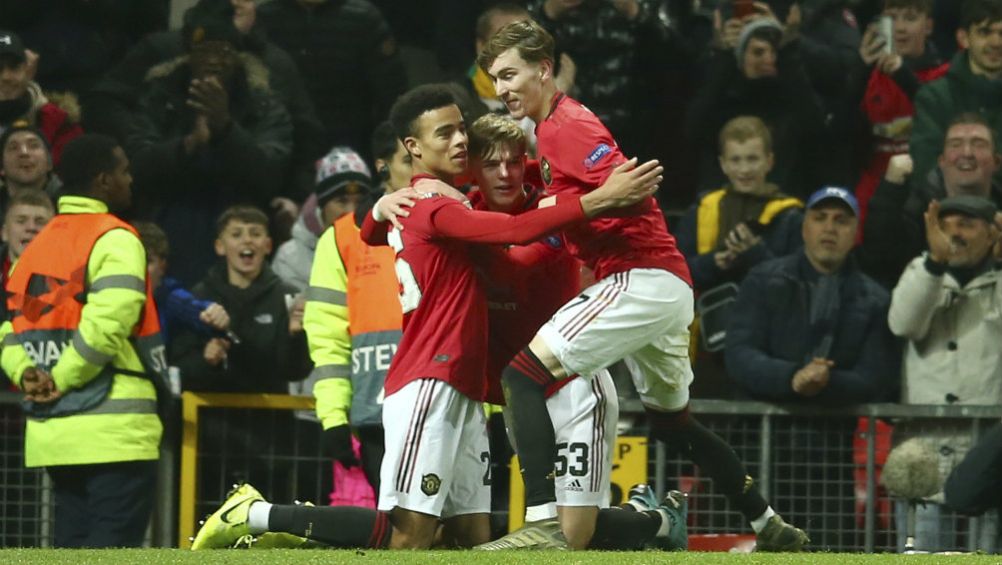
{"x": 885, "y": 25}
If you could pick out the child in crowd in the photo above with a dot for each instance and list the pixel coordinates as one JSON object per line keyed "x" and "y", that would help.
{"x": 265, "y": 316}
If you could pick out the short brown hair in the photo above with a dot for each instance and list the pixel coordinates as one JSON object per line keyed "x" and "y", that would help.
{"x": 920, "y": 6}
{"x": 534, "y": 43}
{"x": 243, "y": 213}
{"x": 743, "y": 128}
{"x": 31, "y": 197}
{"x": 154, "y": 239}
{"x": 971, "y": 118}
{"x": 492, "y": 130}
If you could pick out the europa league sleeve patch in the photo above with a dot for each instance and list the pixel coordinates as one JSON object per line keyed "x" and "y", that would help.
{"x": 430, "y": 484}
{"x": 597, "y": 154}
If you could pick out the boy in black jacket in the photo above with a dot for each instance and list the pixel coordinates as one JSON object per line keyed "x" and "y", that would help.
{"x": 269, "y": 348}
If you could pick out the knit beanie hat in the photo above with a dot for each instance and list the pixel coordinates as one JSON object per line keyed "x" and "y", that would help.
{"x": 764, "y": 28}
{"x": 341, "y": 171}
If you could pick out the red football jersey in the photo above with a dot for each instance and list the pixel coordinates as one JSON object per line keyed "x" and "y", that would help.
{"x": 444, "y": 305}
{"x": 576, "y": 155}
{"x": 525, "y": 285}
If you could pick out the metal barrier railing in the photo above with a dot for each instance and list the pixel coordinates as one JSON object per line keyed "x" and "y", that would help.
{"x": 25, "y": 494}
{"x": 817, "y": 466}
{"x": 261, "y": 437}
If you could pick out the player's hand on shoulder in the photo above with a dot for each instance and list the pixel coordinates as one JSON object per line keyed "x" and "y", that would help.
{"x": 635, "y": 182}
{"x": 443, "y": 188}
{"x": 394, "y": 205}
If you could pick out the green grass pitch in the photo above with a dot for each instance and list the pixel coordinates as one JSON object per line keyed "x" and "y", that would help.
{"x": 330, "y": 557}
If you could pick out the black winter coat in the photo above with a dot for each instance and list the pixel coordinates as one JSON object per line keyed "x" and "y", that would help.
{"x": 770, "y": 338}
{"x": 786, "y": 103}
{"x": 184, "y": 193}
{"x": 266, "y": 358}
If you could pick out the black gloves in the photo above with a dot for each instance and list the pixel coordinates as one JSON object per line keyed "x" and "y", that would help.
{"x": 337, "y": 445}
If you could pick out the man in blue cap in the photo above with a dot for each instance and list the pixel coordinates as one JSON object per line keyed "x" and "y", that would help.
{"x": 825, "y": 357}
{"x": 811, "y": 328}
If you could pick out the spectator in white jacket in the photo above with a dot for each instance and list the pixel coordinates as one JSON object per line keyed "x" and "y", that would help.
{"x": 948, "y": 306}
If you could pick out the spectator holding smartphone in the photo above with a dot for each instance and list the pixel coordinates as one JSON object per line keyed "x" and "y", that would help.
{"x": 756, "y": 70}
{"x": 890, "y": 71}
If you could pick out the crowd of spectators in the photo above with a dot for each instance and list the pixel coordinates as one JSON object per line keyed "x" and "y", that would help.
{"x": 841, "y": 182}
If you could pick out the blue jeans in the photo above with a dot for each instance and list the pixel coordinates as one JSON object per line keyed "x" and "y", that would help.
{"x": 936, "y": 528}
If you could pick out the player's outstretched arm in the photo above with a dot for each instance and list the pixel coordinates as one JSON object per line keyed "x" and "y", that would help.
{"x": 500, "y": 262}
{"x": 459, "y": 222}
{"x": 627, "y": 185}
{"x": 374, "y": 231}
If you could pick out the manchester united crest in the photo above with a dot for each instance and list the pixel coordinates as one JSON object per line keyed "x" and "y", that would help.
{"x": 544, "y": 166}
{"x": 430, "y": 484}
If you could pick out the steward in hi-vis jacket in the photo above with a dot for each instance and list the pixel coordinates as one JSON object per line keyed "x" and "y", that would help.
{"x": 83, "y": 342}
{"x": 352, "y": 320}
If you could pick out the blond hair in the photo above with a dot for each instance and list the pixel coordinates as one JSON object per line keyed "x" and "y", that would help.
{"x": 743, "y": 128}
{"x": 492, "y": 131}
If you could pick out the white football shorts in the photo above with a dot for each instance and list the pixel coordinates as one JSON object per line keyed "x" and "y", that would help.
{"x": 437, "y": 457}
{"x": 641, "y": 316}
{"x": 584, "y": 414}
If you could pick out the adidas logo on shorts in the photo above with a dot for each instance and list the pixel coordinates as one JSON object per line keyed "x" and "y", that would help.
{"x": 575, "y": 486}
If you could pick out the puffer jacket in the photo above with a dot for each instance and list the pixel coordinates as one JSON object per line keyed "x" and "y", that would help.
{"x": 953, "y": 332}
{"x": 780, "y": 236}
